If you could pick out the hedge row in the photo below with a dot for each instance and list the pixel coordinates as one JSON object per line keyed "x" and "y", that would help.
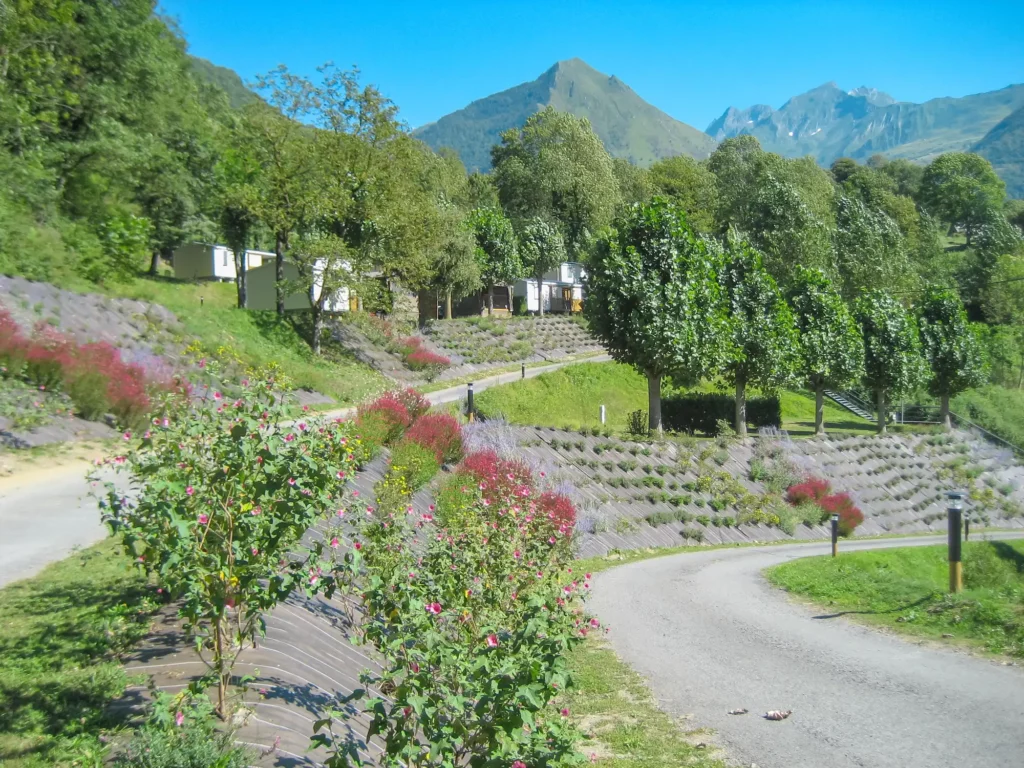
{"x": 702, "y": 411}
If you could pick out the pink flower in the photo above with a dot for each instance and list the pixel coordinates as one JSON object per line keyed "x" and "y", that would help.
{"x": 341, "y": 475}
{"x": 255, "y": 551}
{"x": 189, "y": 491}
{"x": 565, "y": 712}
{"x": 204, "y": 519}
{"x": 302, "y": 426}
{"x": 257, "y": 510}
{"x": 427, "y": 518}
{"x": 341, "y": 513}
{"x": 217, "y": 395}
{"x": 551, "y": 540}
{"x": 434, "y": 608}
{"x": 492, "y": 641}
{"x": 289, "y": 437}
{"x": 127, "y": 435}
{"x": 540, "y": 574}
{"x": 179, "y": 718}
{"x": 431, "y": 507}
{"x": 291, "y": 481}
{"x": 517, "y": 554}
{"x": 518, "y": 764}
{"x": 166, "y": 422}
{"x": 587, "y": 577}
{"x": 414, "y": 667}
{"x": 355, "y": 493}
{"x": 334, "y": 542}
{"x": 357, "y": 546}
{"x": 595, "y": 623}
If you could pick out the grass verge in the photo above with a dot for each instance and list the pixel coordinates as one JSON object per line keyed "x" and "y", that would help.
{"x": 60, "y": 636}
{"x": 208, "y": 312}
{"x": 621, "y": 722}
{"x": 905, "y": 590}
{"x": 485, "y": 373}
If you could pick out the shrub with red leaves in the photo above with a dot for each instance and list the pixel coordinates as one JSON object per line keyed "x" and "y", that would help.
{"x": 415, "y": 403}
{"x": 440, "y": 433}
{"x": 389, "y": 410}
{"x": 13, "y": 347}
{"x": 812, "y": 489}
{"x": 559, "y": 509}
{"x": 429, "y": 362}
{"x": 498, "y": 477}
{"x": 850, "y": 515}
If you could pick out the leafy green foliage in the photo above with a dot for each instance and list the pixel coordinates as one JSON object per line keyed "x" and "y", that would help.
{"x": 691, "y": 186}
{"x": 870, "y": 250}
{"x": 542, "y": 248}
{"x": 949, "y": 344}
{"x": 555, "y": 167}
{"x": 962, "y": 189}
{"x": 892, "y": 350}
{"x": 226, "y": 492}
{"x": 497, "y": 250}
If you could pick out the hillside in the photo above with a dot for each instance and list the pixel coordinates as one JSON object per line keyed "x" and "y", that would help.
{"x": 828, "y": 122}
{"x": 629, "y": 127}
{"x": 1003, "y": 146}
{"x": 225, "y": 79}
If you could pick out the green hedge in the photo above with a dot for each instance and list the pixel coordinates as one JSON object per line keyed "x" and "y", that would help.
{"x": 701, "y": 411}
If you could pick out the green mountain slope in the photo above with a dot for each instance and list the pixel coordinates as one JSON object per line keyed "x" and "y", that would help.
{"x": 1003, "y": 146}
{"x": 225, "y": 79}
{"x": 828, "y": 122}
{"x": 629, "y": 126}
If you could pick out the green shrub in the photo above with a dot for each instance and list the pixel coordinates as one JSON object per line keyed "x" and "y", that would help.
{"x": 983, "y": 567}
{"x": 702, "y": 411}
{"x": 415, "y": 463}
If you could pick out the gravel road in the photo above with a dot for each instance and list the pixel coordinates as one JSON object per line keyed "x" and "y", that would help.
{"x": 711, "y": 635}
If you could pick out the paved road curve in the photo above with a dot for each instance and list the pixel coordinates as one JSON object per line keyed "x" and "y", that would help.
{"x": 711, "y": 635}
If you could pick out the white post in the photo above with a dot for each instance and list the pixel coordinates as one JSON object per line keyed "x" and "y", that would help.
{"x": 603, "y": 413}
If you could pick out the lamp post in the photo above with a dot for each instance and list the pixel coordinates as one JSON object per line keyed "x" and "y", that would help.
{"x": 523, "y": 370}
{"x": 955, "y": 509}
{"x": 469, "y": 402}
{"x": 835, "y": 535}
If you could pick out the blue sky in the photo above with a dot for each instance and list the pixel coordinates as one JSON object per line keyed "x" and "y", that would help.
{"x": 691, "y": 60}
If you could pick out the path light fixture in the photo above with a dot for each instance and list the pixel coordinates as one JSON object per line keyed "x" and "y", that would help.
{"x": 469, "y": 402}
{"x": 955, "y": 507}
{"x": 835, "y": 534}
{"x": 524, "y": 370}
{"x": 604, "y": 414}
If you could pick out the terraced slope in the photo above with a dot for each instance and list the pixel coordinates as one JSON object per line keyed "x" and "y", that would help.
{"x": 483, "y": 341}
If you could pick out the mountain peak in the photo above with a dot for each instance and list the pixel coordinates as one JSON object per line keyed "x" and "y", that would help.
{"x": 873, "y": 96}
{"x": 629, "y": 127}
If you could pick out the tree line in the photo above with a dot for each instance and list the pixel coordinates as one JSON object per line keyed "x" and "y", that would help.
{"x": 113, "y": 161}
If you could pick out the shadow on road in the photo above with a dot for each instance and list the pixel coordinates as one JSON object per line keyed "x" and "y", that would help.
{"x": 897, "y": 609}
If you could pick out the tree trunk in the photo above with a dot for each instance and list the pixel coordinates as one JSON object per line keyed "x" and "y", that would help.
{"x": 490, "y": 300}
{"x": 654, "y": 403}
{"x": 448, "y": 306}
{"x": 154, "y": 263}
{"x": 540, "y": 300}
{"x": 947, "y": 422}
{"x": 318, "y": 329}
{"x": 741, "y": 407}
{"x": 242, "y": 279}
{"x": 819, "y": 409}
{"x": 279, "y": 246}
{"x": 880, "y": 402}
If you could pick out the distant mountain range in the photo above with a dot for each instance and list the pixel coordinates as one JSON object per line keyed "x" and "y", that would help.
{"x": 629, "y": 126}
{"x": 825, "y": 123}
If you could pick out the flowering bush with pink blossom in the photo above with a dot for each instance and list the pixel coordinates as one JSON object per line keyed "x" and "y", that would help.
{"x": 222, "y": 491}
{"x": 811, "y": 489}
{"x": 472, "y": 618}
{"x": 440, "y": 433}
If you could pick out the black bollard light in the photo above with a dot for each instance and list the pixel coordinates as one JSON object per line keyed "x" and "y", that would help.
{"x": 955, "y": 509}
{"x": 835, "y": 535}
{"x": 524, "y": 370}
{"x": 469, "y": 402}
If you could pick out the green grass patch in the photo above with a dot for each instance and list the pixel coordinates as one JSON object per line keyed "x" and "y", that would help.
{"x": 257, "y": 338}
{"x": 60, "y": 636}
{"x": 621, "y": 721}
{"x": 906, "y": 589}
{"x": 571, "y": 397}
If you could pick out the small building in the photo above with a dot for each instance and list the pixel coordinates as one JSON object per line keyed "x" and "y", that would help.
{"x": 561, "y": 289}
{"x": 203, "y": 261}
{"x": 261, "y": 290}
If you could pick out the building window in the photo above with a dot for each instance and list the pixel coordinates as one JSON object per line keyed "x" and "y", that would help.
{"x": 225, "y": 258}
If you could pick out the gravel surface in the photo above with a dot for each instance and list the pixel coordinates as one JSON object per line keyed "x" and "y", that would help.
{"x": 712, "y": 636}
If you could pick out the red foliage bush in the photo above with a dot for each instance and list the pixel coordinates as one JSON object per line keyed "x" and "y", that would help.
{"x": 559, "y": 509}
{"x": 812, "y": 489}
{"x": 415, "y": 403}
{"x": 396, "y": 410}
{"x": 498, "y": 477}
{"x": 440, "y": 433}
{"x": 13, "y": 347}
{"x": 850, "y": 515}
{"x": 424, "y": 358}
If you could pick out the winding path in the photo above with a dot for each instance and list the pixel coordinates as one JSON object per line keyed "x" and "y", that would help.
{"x": 711, "y": 635}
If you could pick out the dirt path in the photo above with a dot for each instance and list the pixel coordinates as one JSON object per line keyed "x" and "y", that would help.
{"x": 712, "y": 636}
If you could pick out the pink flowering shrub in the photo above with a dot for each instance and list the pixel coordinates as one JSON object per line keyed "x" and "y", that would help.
{"x": 389, "y": 410}
{"x": 431, "y": 363}
{"x": 472, "y": 617}
{"x": 228, "y": 487}
{"x": 849, "y": 513}
{"x": 439, "y": 433}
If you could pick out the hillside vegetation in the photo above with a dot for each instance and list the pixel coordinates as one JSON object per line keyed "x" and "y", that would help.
{"x": 1003, "y": 146}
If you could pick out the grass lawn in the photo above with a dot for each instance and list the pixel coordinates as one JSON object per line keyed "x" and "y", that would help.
{"x": 621, "y": 722}
{"x": 905, "y": 590}
{"x": 60, "y": 634}
{"x": 257, "y": 337}
{"x": 571, "y": 397}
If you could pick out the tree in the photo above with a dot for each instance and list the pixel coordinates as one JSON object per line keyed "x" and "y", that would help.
{"x": 324, "y": 263}
{"x": 843, "y": 168}
{"x": 497, "y": 252}
{"x": 870, "y": 250}
{"x": 655, "y": 300}
{"x": 542, "y": 248}
{"x": 963, "y": 190}
{"x": 831, "y": 348}
{"x": 556, "y": 167}
{"x": 635, "y": 183}
{"x": 456, "y": 270}
{"x": 950, "y": 346}
{"x": 1003, "y": 302}
{"x": 764, "y": 337}
{"x": 892, "y": 349}
{"x": 691, "y": 186}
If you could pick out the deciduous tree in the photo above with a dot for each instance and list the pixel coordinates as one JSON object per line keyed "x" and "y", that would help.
{"x": 497, "y": 252}
{"x": 950, "y": 347}
{"x": 542, "y": 248}
{"x": 655, "y": 300}
{"x": 962, "y": 189}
